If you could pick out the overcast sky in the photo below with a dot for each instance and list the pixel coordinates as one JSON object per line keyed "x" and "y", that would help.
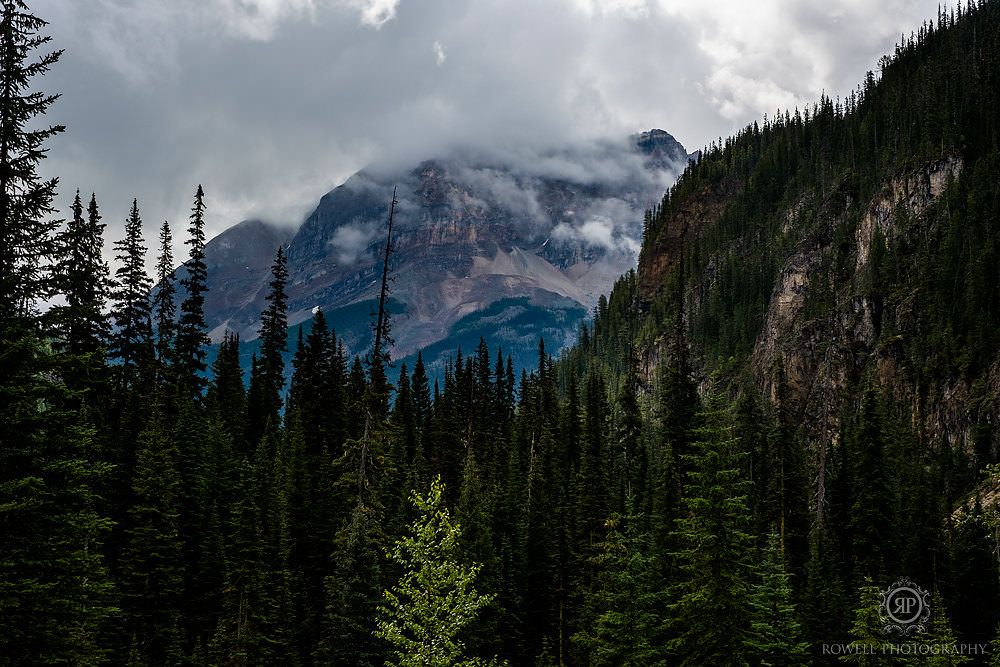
{"x": 270, "y": 103}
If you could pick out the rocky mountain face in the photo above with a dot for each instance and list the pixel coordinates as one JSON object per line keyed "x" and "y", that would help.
{"x": 236, "y": 259}
{"x": 480, "y": 239}
{"x": 861, "y": 329}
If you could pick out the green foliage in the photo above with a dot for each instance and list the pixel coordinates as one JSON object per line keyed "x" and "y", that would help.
{"x": 57, "y": 599}
{"x": 710, "y": 612}
{"x": 775, "y": 632}
{"x": 26, "y": 226}
{"x": 164, "y": 307}
{"x": 146, "y": 524}
{"x": 153, "y": 560}
{"x": 424, "y": 614}
{"x": 624, "y": 602}
{"x": 869, "y": 644}
{"x": 273, "y": 326}
{"x": 192, "y": 335}
{"x": 132, "y": 344}
{"x": 943, "y": 650}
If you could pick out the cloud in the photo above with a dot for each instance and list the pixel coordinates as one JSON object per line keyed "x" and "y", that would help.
{"x": 351, "y": 241}
{"x": 439, "y": 53}
{"x": 374, "y": 12}
{"x": 598, "y": 232}
{"x": 271, "y": 103}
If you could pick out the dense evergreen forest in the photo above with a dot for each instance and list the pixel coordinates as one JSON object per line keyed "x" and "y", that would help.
{"x": 664, "y": 493}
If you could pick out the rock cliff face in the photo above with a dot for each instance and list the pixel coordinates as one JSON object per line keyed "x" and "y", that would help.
{"x": 694, "y": 214}
{"x": 555, "y": 228}
{"x": 822, "y": 355}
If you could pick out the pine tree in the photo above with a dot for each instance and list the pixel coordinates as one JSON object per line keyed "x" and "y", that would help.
{"x": 775, "y": 633}
{"x": 625, "y": 612}
{"x": 315, "y": 427}
{"x": 26, "y": 231}
{"x": 975, "y": 579}
{"x": 274, "y": 335}
{"x": 376, "y": 401}
{"x": 226, "y": 396}
{"x": 132, "y": 343}
{"x": 942, "y": 645}
{"x": 241, "y": 635}
{"x": 353, "y": 595}
{"x": 474, "y": 511}
{"x": 591, "y": 482}
{"x": 191, "y": 328}
{"x": 872, "y": 523}
{"x": 132, "y": 376}
{"x": 678, "y": 405}
{"x": 710, "y": 614}
{"x": 199, "y": 445}
{"x": 164, "y": 306}
{"x": 788, "y": 485}
{"x": 152, "y": 563}
{"x": 424, "y": 614}
{"x": 824, "y": 606}
{"x": 868, "y": 646}
{"x": 56, "y": 597}
{"x": 629, "y": 439}
{"x": 421, "y": 395}
{"x": 82, "y": 277}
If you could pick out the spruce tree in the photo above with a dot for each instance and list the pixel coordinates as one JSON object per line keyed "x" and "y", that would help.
{"x": 82, "y": 277}
{"x": 132, "y": 343}
{"x": 868, "y": 646}
{"x": 710, "y": 613}
{"x": 629, "y": 442}
{"x": 152, "y": 562}
{"x": 353, "y": 594}
{"x": 164, "y": 306}
{"x": 132, "y": 350}
{"x": 421, "y": 394}
{"x": 56, "y": 597}
{"x": 591, "y": 482}
{"x": 974, "y": 577}
{"x": 274, "y": 335}
{"x": 775, "y": 633}
{"x": 26, "y": 229}
{"x": 621, "y": 630}
{"x": 871, "y": 522}
{"x": 241, "y": 634}
{"x": 787, "y": 488}
{"x": 226, "y": 396}
{"x": 191, "y": 328}
{"x": 942, "y": 645}
{"x": 424, "y": 614}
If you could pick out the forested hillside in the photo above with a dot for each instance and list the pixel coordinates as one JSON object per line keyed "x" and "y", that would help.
{"x": 789, "y": 405}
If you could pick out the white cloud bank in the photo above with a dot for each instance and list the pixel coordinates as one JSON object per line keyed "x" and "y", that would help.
{"x": 270, "y": 103}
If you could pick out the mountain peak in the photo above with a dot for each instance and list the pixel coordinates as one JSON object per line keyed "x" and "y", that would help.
{"x": 474, "y": 227}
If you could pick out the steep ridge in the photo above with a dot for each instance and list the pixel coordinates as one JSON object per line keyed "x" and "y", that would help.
{"x": 848, "y": 247}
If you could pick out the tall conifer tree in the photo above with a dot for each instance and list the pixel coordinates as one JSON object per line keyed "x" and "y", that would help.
{"x": 274, "y": 335}
{"x": 132, "y": 343}
{"x": 191, "y": 329}
{"x": 83, "y": 279}
{"x": 710, "y": 615}
{"x": 164, "y": 305}
{"x": 55, "y": 592}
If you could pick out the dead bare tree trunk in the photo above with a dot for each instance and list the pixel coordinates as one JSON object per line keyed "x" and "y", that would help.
{"x": 377, "y": 360}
